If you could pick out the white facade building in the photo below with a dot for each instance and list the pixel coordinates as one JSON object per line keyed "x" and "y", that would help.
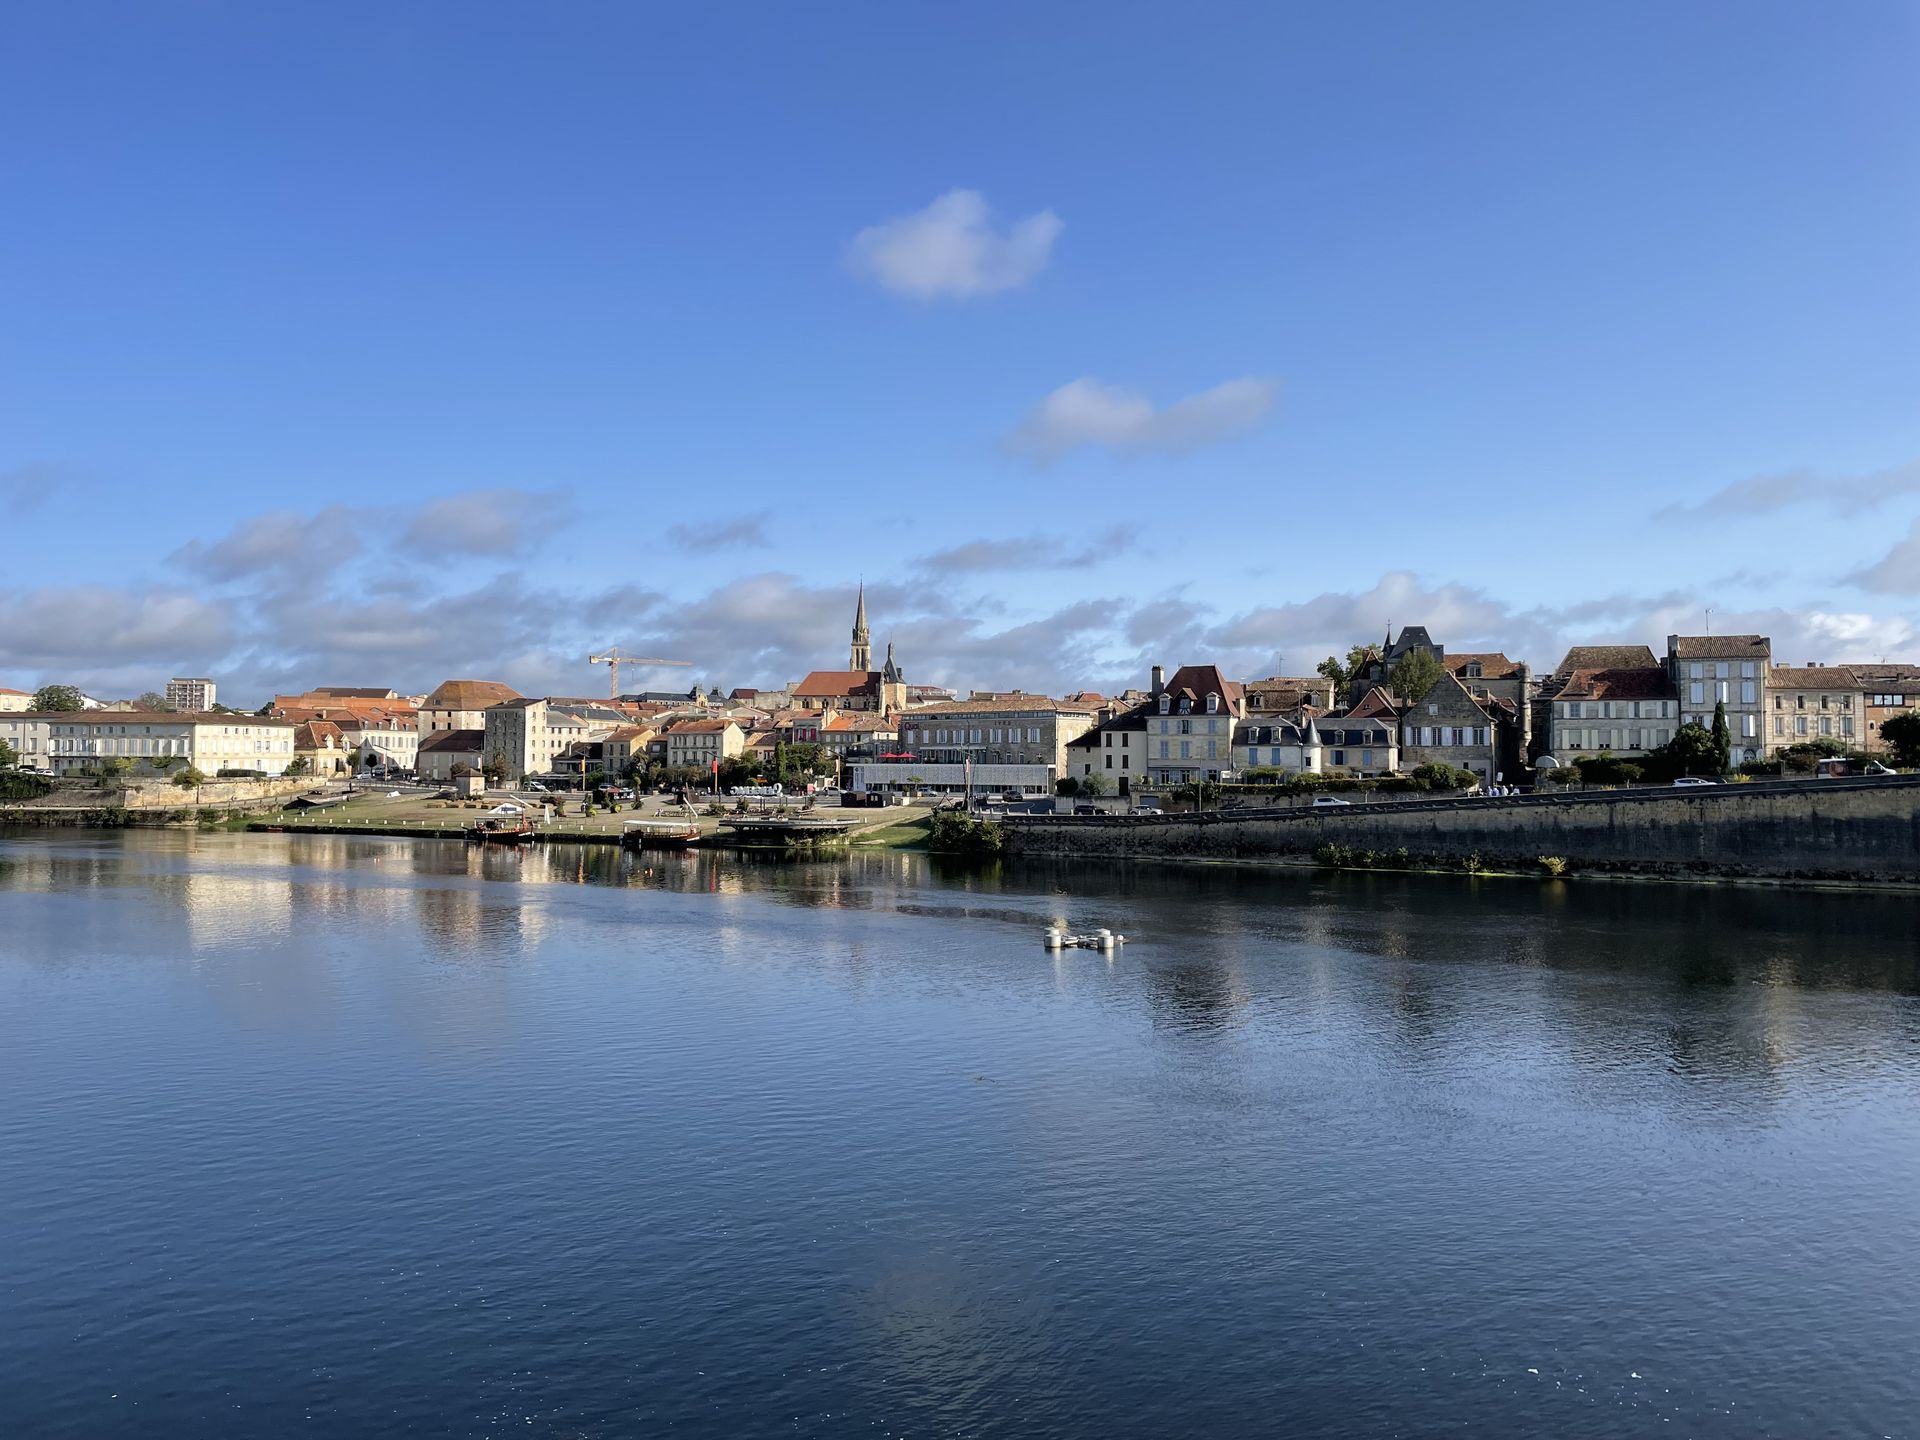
{"x": 155, "y": 742}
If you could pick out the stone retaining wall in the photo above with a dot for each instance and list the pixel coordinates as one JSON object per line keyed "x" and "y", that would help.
{"x": 1828, "y": 830}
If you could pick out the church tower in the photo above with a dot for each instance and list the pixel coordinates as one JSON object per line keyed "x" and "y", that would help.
{"x": 861, "y": 657}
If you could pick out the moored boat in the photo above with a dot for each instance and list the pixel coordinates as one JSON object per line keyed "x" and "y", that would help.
{"x": 659, "y": 834}
{"x": 500, "y": 830}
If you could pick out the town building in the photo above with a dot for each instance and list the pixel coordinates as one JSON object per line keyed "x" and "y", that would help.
{"x": 155, "y": 741}
{"x": 625, "y": 748}
{"x": 1190, "y": 723}
{"x": 527, "y": 736}
{"x": 324, "y": 748}
{"x": 1624, "y": 712}
{"x": 1815, "y": 702}
{"x": 858, "y": 734}
{"x": 700, "y": 744}
{"x": 1114, "y": 749}
{"x": 380, "y": 741}
{"x": 1449, "y": 726}
{"x": 893, "y": 777}
{"x": 1291, "y": 747}
{"x": 186, "y": 695}
{"x": 26, "y": 732}
{"x": 14, "y": 700}
{"x": 1887, "y": 689}
{"x": 1019, "y": 730}
{"x": 1376, "y": 667}
{"x": 462, "y": 704}
{"x": 445, "y": 751}
{"x": 1729, "y": 670}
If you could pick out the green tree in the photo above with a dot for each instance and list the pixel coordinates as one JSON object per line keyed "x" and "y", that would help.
{"x": 1416, "y": 674}
{"x": 1690, "y": 752}
{"x": 152, "y": 700}
{"x": 1722, "y": 738}
{"x": 9, "y": 757}
{"x": 1343, "y": 675}
{"x": 1066, "y": 787}
{"x": 495, "y": 769}
{"x": 61, "y": 699}
{"x": 1902, "y": 732}
{"x": 1093, "y": 785}
{"x": 189, "y": 778}
{"x": 297, "y": 766}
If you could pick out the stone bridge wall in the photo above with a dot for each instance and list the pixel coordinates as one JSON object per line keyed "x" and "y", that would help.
{"x": 1831, "y": 829}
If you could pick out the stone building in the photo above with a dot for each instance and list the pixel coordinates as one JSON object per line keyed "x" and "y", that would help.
{"x": 1190, "y": 724}
{"x": 1016, "y": 730}
{"x": 1886, "y": 690}
{"x": 1729, "y": 670}
{"x": 1448, "y": 726}
{"x": 1815, "y": 702}
{"x": 154, "y": 741}
{"x": 1624, "y": 712}
{"x": 462, "y": 704}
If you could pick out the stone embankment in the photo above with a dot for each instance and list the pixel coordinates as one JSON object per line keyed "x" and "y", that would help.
{"x": 1829, "y": 830}
{"x": 151, "y": 802}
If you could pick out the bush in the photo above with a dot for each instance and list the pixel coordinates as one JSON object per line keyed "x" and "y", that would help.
{"x": 954, "y": 833}
{"x": 1066, "y": 787}
{"x": 189, "y": 778}
{"x": 1553, "y": 865}
{"x": 1607, "y": 769}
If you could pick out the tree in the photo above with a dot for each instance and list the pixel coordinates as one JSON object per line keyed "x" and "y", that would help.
{"x": 152, "y": 700}
{"x": 9, "y": 757}
{"x": 495, "y": 769}
{"x": 1343, "y": 675}
{"x": 461, "y": 770}
{"x": 1722, "y": 738}
{"x": 61, "y": 699}
{"x": 189, "y": 778}
{"x": 297, "y": 766}
{"x": 1902, "y": 732}
{"x": 1416, "y": 674}
{"x": 1690, "y": 752}
{"x": 1066, "y": 787}
{"x": 1093, "y": 785}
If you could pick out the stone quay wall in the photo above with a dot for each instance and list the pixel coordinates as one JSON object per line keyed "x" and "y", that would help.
{"x": 1847, "y": 829}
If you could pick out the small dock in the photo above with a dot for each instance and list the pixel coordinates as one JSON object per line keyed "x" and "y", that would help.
{"x": 787, "y": 830}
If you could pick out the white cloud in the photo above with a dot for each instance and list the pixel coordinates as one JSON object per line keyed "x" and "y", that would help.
{"x": 744, "y": 532}
{"x": 1032, "y": 552}
{"x": 952, "y": 248}
{"x": 1898, "y": 571}
{"x": 1087, "y": 412}
{"x": 277, "y": 545}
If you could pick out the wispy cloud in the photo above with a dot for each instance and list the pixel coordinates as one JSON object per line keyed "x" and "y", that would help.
{"x": 742, "y": 532}
{"x": 1031, "y": 552}
{"x": 1769, "y": 494}
{"x": 279, "y": 545}
{"x": 25, "y": 488}
{"x": 505, "y": 521}
{"x": 1898, "y": 571}
{"x": 953, "y": 248}
{"x": 1088, "y": 412}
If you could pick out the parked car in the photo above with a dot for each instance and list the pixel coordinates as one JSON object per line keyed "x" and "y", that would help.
{"x": 619, "y": 792}
{"x": 1874, "y": 767}
{"x": 1688, "y": 782}
{"x": 1086, "y": 809}
{"x": 1330, "y": 800}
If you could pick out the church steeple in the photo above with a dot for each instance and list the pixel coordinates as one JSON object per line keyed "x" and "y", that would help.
{"x": 861, "y": 656}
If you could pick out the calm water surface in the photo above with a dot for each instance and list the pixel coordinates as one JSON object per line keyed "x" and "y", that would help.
{"x": 376, "y": 1137}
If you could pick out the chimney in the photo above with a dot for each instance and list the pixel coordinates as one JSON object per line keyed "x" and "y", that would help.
{"x": 1159, "y": 680}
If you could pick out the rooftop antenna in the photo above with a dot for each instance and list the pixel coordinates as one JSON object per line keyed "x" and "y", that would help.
{"x": 1709, "y": 622}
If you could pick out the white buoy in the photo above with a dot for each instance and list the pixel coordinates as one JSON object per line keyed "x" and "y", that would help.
{"x": 1055, "y": 938}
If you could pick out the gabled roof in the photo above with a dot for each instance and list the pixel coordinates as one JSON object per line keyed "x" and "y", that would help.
{"x": 1714, "y": 647}
{"x": 468, "y": 695}
{"x": 1200, "y": 681}
{"x": 1605, "y": 657}
{"x": 1274, "y": 733}
{"x": 1640, "y": 682}
{"x": 699, "y": 727}
{"x": 1133, "y": 719}
{"x": 1813, "y": 677}
{"x": 1375, "y": 704}
{"x": 318, "y": 735}
{"x": 1493, "y": 664}
{"x": 858, "y": 722}
{"x": 355, "y": 692}
{"x": 1008, "y": 705}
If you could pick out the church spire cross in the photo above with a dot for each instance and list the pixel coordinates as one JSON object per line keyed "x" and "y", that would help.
{"x": 860, "y": 657}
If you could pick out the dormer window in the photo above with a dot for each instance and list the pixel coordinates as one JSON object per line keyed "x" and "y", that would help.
{"x": 1164, "y": 703}
{"x": 1186, "y": 704}
{"x": 1213, "y": 704}
{"x": 1473, "y": 670}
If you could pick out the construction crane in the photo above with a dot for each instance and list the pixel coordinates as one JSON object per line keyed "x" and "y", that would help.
{"x": 613, "y": 660}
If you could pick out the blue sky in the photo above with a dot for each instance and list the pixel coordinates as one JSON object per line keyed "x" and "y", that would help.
{"x": 364, "y": 344}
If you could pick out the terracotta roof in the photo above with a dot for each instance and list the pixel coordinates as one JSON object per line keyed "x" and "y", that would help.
{"x": 318, "y": 735}
{"x": 468, "y": 695}
{"x": 1494, "y": 665}
{"x": 857, "y": 722}
{"x": 838, "y": 682}
{"x": 356, "y": 692}
{"x": 462, "y": 741}
{"x": 1640, "y": 682}
{"x": 1605, "y": 657}
{"x": 1199, "y": 681}
{"x": 1705, "y": 647}
{"x": 700, "y": 727}
{"x": 1375, "y": 703}
{"x": 9, "y": 690}
{"x": 1813, "y": 677}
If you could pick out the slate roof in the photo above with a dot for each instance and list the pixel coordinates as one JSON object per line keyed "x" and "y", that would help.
{"x": 1493, "y": 664}
{"x": 1715, "y": 647}
{"x": 1011, "y": 705}
{"x": 459, "y": 742}
{"x": 1200, "y": 681}
{"x": 1134, "y": 719}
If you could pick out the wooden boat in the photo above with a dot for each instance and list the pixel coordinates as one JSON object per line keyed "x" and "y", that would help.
{"x": 659, "y": 835}
{"x": 500, "y": 830}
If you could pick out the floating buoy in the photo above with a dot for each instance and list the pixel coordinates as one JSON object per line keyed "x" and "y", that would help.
{"x": 1102, "y": 939}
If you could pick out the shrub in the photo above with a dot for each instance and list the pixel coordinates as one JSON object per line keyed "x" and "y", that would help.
{"x": 189, "y": 778}
{"x": 1553, "y": 865}
{"x": 954, "y": 833}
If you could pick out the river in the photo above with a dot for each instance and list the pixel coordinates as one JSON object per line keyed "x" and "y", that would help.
{"x": 365, "y": 1137}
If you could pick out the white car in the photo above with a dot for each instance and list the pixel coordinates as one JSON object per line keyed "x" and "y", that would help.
{"x": 1330, "y": 800}
{"x": 1688, "y": 782}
